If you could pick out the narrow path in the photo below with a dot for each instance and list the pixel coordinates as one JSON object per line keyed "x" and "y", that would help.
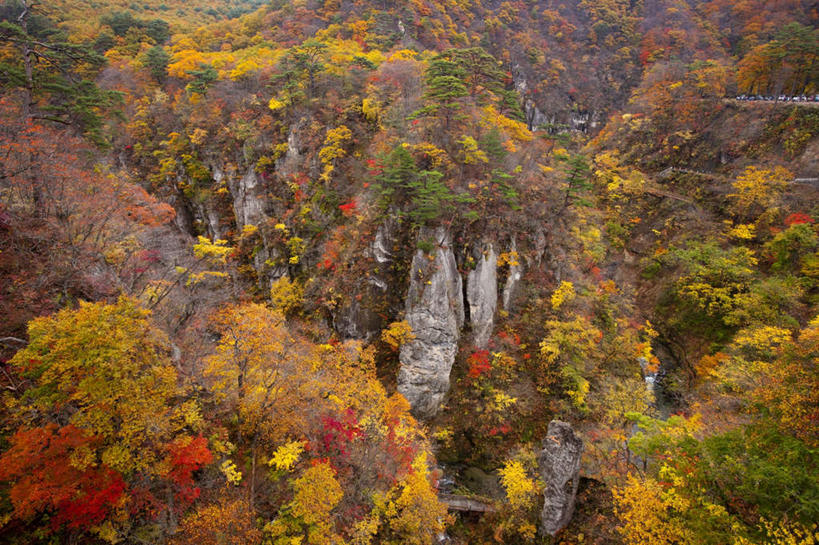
{"x": 780, "y": 102}
{"x": 651, "y": 190}
{"x": 714, "y": 176}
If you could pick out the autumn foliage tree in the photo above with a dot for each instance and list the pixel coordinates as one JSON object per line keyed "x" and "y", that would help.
{"x": 317, "y": 139}
{"x": 258, "y": 371}
{"x": 228, "y": 521}
{"x": 786, "y": 64}
{"x": 73, "y": 230}
{"x": 102, "y": 443}
{"x": 53, "y": 73}
{"x": 310, "y": 411}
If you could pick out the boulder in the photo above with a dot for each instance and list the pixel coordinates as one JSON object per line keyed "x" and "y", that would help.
{"x": 559, "y": 466}
{"x": 484, "y": 484}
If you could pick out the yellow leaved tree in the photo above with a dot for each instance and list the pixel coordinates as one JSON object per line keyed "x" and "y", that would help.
{"x": 411, "y": 512}
{"x": 757, "y": 189}
{"x": 649, "y": 514}
{"x": 522, "y": 487}
{"x": 262, "y": 374}
{"x": 307, "y": 518}
{"x": 397, "y": 334}
{"x": 333, "y": 150}
{"x": 227, "y": 522}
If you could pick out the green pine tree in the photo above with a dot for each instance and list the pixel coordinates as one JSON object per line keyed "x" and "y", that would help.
{"x": 54, "y": 74}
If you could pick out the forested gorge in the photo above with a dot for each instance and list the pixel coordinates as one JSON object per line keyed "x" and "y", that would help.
{"x": 465, "y": 271}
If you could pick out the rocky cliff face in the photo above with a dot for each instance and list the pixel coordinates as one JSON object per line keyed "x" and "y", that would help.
{"x": 559, "y": 465}
{"x": 358, "y": 318}
{"x": 292, "y": 160}
{"x": 435, "y": 311}
{"x": 482, "y": 295}
{"x": 512, "y": 280}
{"x": 249, "y": 209}
{"x": 567, "y": 116}
{"x": 357, "y": 321}
{"x": 248, "y": 205}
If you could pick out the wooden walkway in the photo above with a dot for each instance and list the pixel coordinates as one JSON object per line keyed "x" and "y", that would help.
{"x": 806, "y": 104}
{"x": 455, "y": 502}
{"x": 667, "y": 173}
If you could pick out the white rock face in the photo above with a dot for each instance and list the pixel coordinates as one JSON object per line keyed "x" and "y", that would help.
{"x": 482, "y": 296}
{"x": 249, "y": 209}
{"x": 559, "y": 466}
{"x": 210, "y": 217}
{"x": 290, "y": 162}
{"x": 515, "y": 274}
{"x": 534, "y": 117}
{"x": 435, "y": 311}
{"x": 213, "y": 222}
{"x": 248, "y": 205}
{"x": 382, "y": 247}
{"x": 540, "y": 246}
{"x": 355, "y": 321}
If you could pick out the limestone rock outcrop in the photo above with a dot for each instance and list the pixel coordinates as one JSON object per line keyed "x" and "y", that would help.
{"x": 289, "y": 163}
{"x": 559, "y": 466}
{"x": 482, "y": 295}
{"x": 248, "y": 204}
{"x": 435, "y": 311}
{"x": 512, "y": 280}
{"x": 358, "y": 316}
{"x": 249, "y": 209}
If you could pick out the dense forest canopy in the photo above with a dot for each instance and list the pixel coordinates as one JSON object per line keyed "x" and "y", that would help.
{"x": 381, "y": 272}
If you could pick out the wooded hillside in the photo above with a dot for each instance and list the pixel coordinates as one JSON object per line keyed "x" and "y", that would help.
{"x": 379, "y": 272}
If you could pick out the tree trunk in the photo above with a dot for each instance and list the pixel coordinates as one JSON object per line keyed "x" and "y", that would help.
{"x": 253, "y": 472}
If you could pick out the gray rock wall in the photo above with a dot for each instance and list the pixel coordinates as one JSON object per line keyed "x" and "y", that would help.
{"x": 482, "y": 295}
{"x": 248, "y": 205}
{"x": 292, "y": 160}
{"x": 435, "y": 311}
{"x": 357, "y": 317}
{"x": 249, "y": 209}
{"x": 511, "y": 284}
{"x": 559, "y": 466}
